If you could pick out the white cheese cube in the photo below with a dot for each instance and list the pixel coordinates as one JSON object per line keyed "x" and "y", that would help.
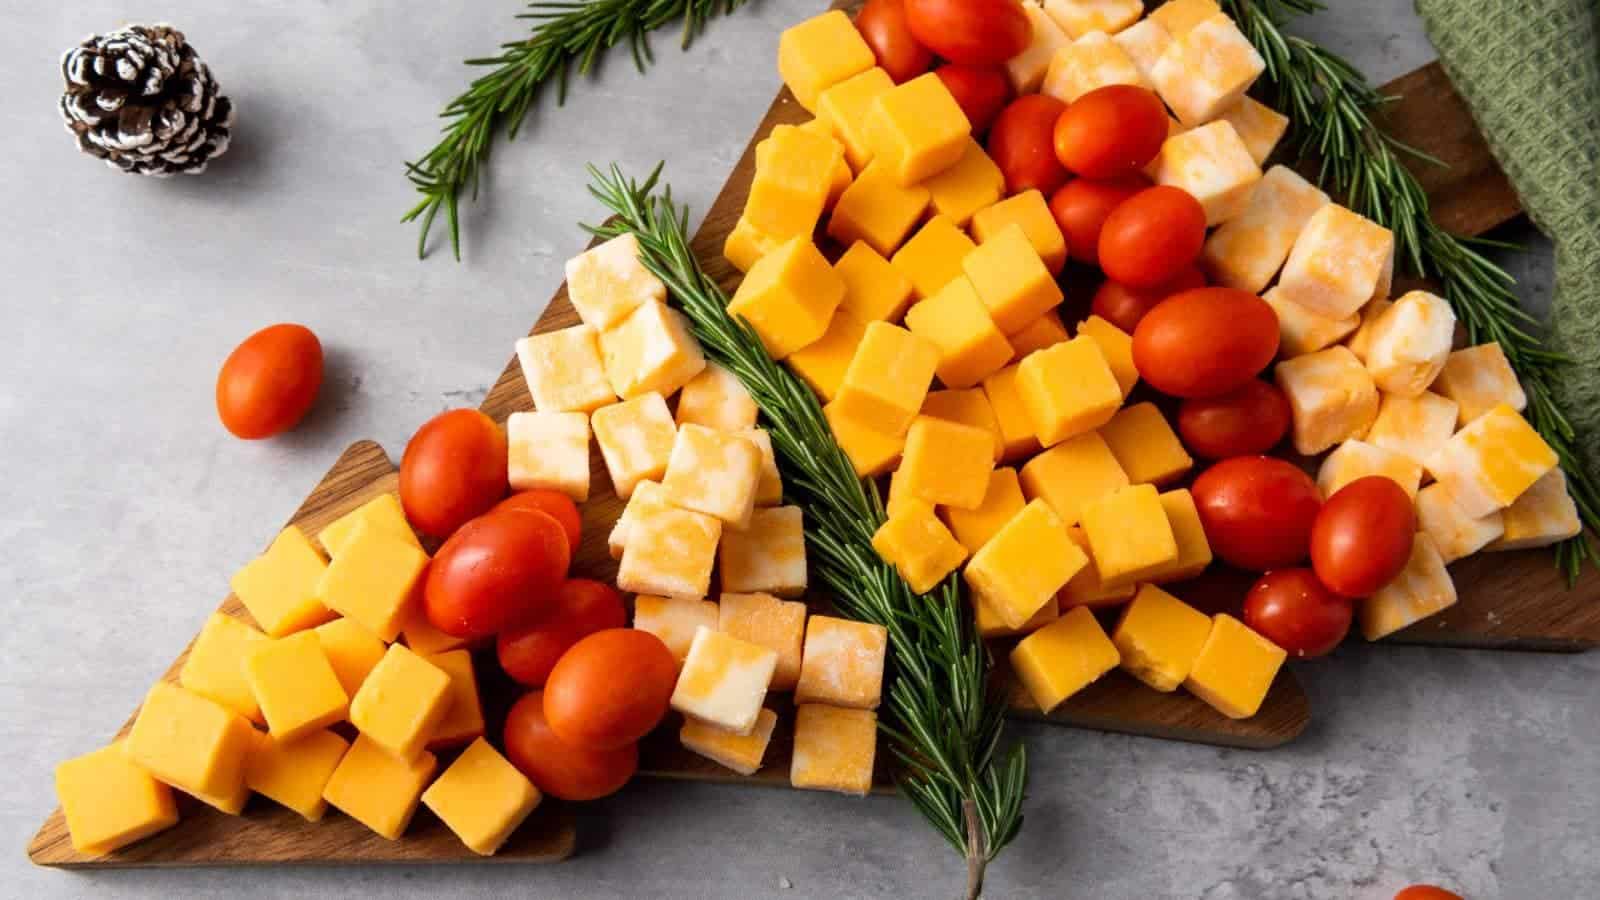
{"x": 563, "y": 370}
{"x": 669, "y": 552}
{"x": 1414, "y": 427}
{"x": 724, "y": 681}
{"x": 714, "y": 473}
{"x": 1487, "y": 465}
{"x": 1179, "y": 16}
{"x": 1250, "y": 248}
{"x": 1370, "y": 314}
{"x": 1026, "y": 69}
{"x": 549, "y": 450}
{"x": 716, "y": 399}
{"x": 1144, "y": 42}
{"x": 1301, "y": 331}
{"x": 842, "y": 664}
{"x": 1259, "y": 126}
{"x": 635, "y": 438}
{"x": 1207, "y": 70}
{"x": 1545, "y": 514}
{"x": 1478, "y": 379}
{"x": 767, "y": 557}
{"x": 651, "y": 350}
{"x": 1212, "y": 164}
{"x": 1092, "y": 61}
{"x": 674, "y": 620}
{"x": 1357, "y": 459}
{"x": 608, "y": 282}
{"x": 769, "y": 487}
{"x": 1331, "y": 395}
{"x": 1455, "y": 534}
{"x": 647, "y": 496}
{"x": 1422, "y": 589}
{"x": 1079, "y": 17}
{"x": 1336, "y": 263}
{"x": 1410, "y": 343}
{"x": 741, "y": 753}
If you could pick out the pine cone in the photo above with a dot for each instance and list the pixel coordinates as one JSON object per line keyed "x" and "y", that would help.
{"x": 143, "y": 101}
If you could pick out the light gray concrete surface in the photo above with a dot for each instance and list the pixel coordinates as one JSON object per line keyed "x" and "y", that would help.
{"x": 127, "y": 506}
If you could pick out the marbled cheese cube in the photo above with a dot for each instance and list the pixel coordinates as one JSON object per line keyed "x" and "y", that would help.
{"x": 608, "y": 282}
{"x": 946, "y": 463}
{"x": 1235, "y": 668}
{"x": 1337, "y": 262}
{"x": 769, "y": 555}
{"x": 844, "y": 108}
{"x": 1545, "y": 514}
{"x": 966, "y": 407}
{"x": 1213, "y": 165}
{"x": 651, "y": 350}
{"x": 764, "y": 619}
{"x": 740, "y": 752}
{"x": 647, "y": 496}
{"x": 1020, "y": 569}
{"x": 714, "y": 473}
{"x": 669, "y": 552}
{"x": 1073, "y": 474}
{"x": 932, "y": 257}
{"x": 877, "y": 209}
{"x": 1422, "y": 589}
{"x": 769, "y": 486}
{"x": 1068, "y": 389}
{"x": 1026, "y": 70}
{"x": 1079, "y": 17}
{"x": 1414, "y": 427}
{"x": 1011, "y": 280}
{"x": 1478, "y": 379}
{"x": 1259, "y": 126}
{"x": 1089, "y": 62}
{"x": 1130, "y": 535}
{"x": 1159, "y": 637}
{"x": 563, "y": 370}
{"x": 972, "y": 184}
{"x": 1145, "y": 43}
{"x": 1063, "y": 658}
{"x": 834, "y": 749}
{"x": 724, "y": 681}
{"x": 821, "y": 365}
{"x": 635, "y": 438}
{"x": 1331, "y": 395}
{"x": 1002, "y": 500}
{"x": 788, "y": 297}
{"x": 1207, "y": 70}
{"x": 842, "y": 663}
{"x": 1145, "y": 446}
{"x": 1029, "y": 210}
{"x": 871, "y": 452}
{"x": 1301, "y": 331}
{"x": 549, "y": 450}
{"x": 1178, "y": 16}
{"x": 718, "y": 400}
{"x": 971, "y": 347}
{"x": 819, "y": 53}
{"x": 1249, "y": 249}
{"x": 919, "y": 546}
{"x": 1357, "y": 459}
{"x": 917, "y": 130}
{"x": 1410, "y": 343}
{"x": 1488, "y": 464}
{"x": 1087, "y": 588}
{"x": 1370, "y": 314}
{"x": 674, "y": 620}
{"x": 1455, "y": 534}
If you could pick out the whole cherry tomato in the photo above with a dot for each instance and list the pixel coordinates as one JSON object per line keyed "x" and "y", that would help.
{"x": 1020, "y": 144}
{"x": 1426, "y": 892}
{"x": 553, "y": 503}
{"x": 981, "y": 91}
{"x": 496, "y": 571}
{"x": 1247, "y": 420}
{"x": 610, "y": 689}
{"x": 1205, "y": 342}
{"x": 1082, "y": 206}
{"x": 268, "y": 383}
{"x": 1257, "y": 511}
{"x": 454, "y": 469}
{"x": 1111, "y": 131}
{"x": 882, "y": 24}
{"x": 1124, "y": 306}
{"x": 582, "y": 607}
{"x": 1152, "y": 236}
{"x": 1292, "y": 609}
{"x": 971, "y": 32}
{"x": 1362, "y": 537}
{"x": 558, "y": 768}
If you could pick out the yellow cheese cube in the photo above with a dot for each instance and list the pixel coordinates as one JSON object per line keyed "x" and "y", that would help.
{"x": 608, "y": 282}
{"x": 1301, "y": 331}
{"x": 740, "y": 752}
{"x": 1478, "y": 379}
{"x": 819, "y": 53}
{"x": 482, "y": 798}
{"x": 971, "y": 347}
{"x": 1144, "y": 42}
{"x": 1002, "y": 500}
{"x": 636, "y": 438}
{"x": 563, "y": 370}
{"x": 1414, "y": 427}
{"x": 1370, "y": 314}
{"x": 917, "y": 130}
{"x": 1068, "y": 389}
{"x": 765, "y": 620}
{"x": 212, "y": 667}
{"x": 1235, "y": 668}
{"x": 746, "y": 244}
{"x": 874, "y": 290}
{"x": 1011, "y": 279}
{"x": 822, "y": 365}
{"x": 280, "y": 587}
{"x": 1410, "y": 342}
{"x": 296, "y": 686}
{"x": 769, "y": 484}
{"x": 1545, "y": 514}
{"x": 549, "y": 450}
{"x": 1145, "y": 445}
{"x": 1016, "y": 425}
{"x": 1207, "y": 70}
{"x": 1249, "y": 249}
{"x": 1422, "y": 589}
{"x": 842, "y": 663}
{"x": 1073, "y": 474}
{"x": 966, "y": 407}
{"x": 352, "y": 650}
{"x": 463, "y": 719}
{"x": 295, "y": 773}
{"x": 1159, "y": 638}
{"x": 1194, "y": 550}
{"x": 972, "y": 184}
{"x": 669, "y": 552}
{"x": 1488, "y": 464}
{"x": 932, "y": 258}
{"x": 919, "y": 547}
{"x": 1091, "y": 61}
{"x": 991, "y": 624}
{"x": 192, "y": 744}
{"x": 770, "y": 555}
{"x": 871, "y": 452}
{"x": 1336, "y": 263}
{"x": 898, "y": 497}
{"x": 793, "y": 178}
{"x": 715, "y": 473}
{"x": 724, "y": 680}
{"x": 1087, "y": 588}
{"x": 651, "y": 350}
{"x": 372, "y": 579}
{"x": 877, "y": 209}
{"x": 1355, "y": 459}
{"x": 383, "y": 511}
{"x": 1020, "y": 569}
{"x": 1045, "y": 331}
{"x": 1129, "y": 534}
{"x": 1027, "y": 69}
{"x": 1331, "y": 396}
{"x": 379, "y": 790}
{"x": 1063, "y": 658}
{"x": 888, "y": 378}
{"x": 947, "y": 463}
{"x": 1259, "y": 126}
{"x": 1178, "y": 16}
{"x": 1079, "y": 17}
{"x": 674, "y": 620}
{"x": 401, "y": 704}
{"x": 1116, "y": 346}
{"x": 844, "y": 107}
{"x": 1213, "y": 164}
{"x": 842, "y": 173}
{"x": 109, "y": 802}
{"x": 788, "y": 297}
{"x": 1029, "y": 210}
{"x": 718, "y": 400}
{"x": 1454, "y": 533}
{"x": 420, "y": 636}
{"x": 834, "y": 749}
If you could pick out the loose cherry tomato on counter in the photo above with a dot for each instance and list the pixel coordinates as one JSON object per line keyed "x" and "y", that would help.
{"x": 882, "y": 24}
{"x": 1151, "y": 237}
{"x": 1206, "y": 342}
{"x": 1426, "y": 892}
{"x": 454, "y": 469}
{"x": 1082, "y": 206}
{"x": 1257, "y": 511}
{"x": 582, "y": 607}
{"x": 1292, "y": 609}
{"x": 496, "y": 571}
{"x": 1362, "y": 537}
{"x": 558, "y": 768}
{"x": 610, "y": 689}
{"x": 1111, "y": 132}
{"x": 1124, "y": 306}
{"x": 981, "y": 91}
{"x": 1020, "y": 144}
{"x": 971, "y": 32}
{"x": 1246, "y": 421}
{"x": 268, "y": 383}
{"x": 553, "y": 503}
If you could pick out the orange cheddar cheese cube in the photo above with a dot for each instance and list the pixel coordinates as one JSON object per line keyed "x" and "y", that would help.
{"x": 765, "y": 620}
{"x": 1212, "y": 163}
{"x": 212, "y": 668}
{"x": 874, "y": 290}
{"x": 946, "y": 463}
{"x": 1087, "y": 588}
{"x": 718, "y": 400}
{"x": 1027, "y": 561}
{"x": 746, "y": 244}
{"x": 1011, "y": 280}
{"x": 1145, "y": 42}
{"x": 421, "y": 636}
{"x": 898, "y": 496}
{"x": 715, "y": 473}
{"x": 1194, "y": 550}
{"x": 1179, "y": 16}
{"x": 794, "y": 175}
{"x": 1068, "y": 389}
{"x": 834, "y": 749}
{"x": 769, "y": 555}
{"x": 482, "y": 797}
{"x": 1478, "y": 379}
{"x": 1259, "y": 126}
{"x": 919, "y": 546}
{"x": 1355, "y": 459}
{"x": 1159, "y": 638}
{"x": 402, "y": 702}
{"x": 463, "y": 718}
{"x": 991, "y": 624}
{"x": 1011, "y": 412}
{"x": 608, "y": 282}
{"x": 1045, "y": 331}
{"x": 1079, "y": 17}
{"x": 1235, "y": 668}
{"x": 674, "y": 620}
{"x": 955, "y": 321}
{"x": 636, "y": 438}
{"x": 972, "y": 184}
{"x": 1249, "y": 249}
{"x": 842, "y": 663}
{"x": 549, "y": 450}
{"x": 1362, "y": 338}
{"x": 822, "y": 365}
{"x": 932, "y": 257}
{"x": 917, "y": 130}
{"x": 878, "y": 210}
{"x": 888, "y": 378}
{"x": 845, "y": 105}
{"x": 372, "y": 579}
{"x": 1116, "y": 346}
{"x": 740, "y": 752}
{"x": 1422, "y": 589}
{"x": 1129, "y": 534}
{"x": 788, "y": 297}
{"x": 1029, "y": 210}
{"x": 819, "y": 53}
{"x": 1091, "y": 61}
{"x": 379, "y": 790}
{"x": 1145, "y": 446}
{"x": 842, "y": 173}
{"x": 669, "y": 552}
{"x": 1410, "y": 342}
{"x": 651, "y": 350}
{"x": 1002, "y": 500}
{"x": 1545, "y": 514}
{"x": 1027, "y": 69}
{"x": 1073, "y": 474}
{"x": 769, "y": 484}
{"x": 294, "y": 773}
{"x": 564, "y": 371}
{"x": 352, "y": 650}
{"x": 1301, "y": 331}
{"x": 1337, "y": 262}
{"x": 1207, "y": 70}
{"x": 296, "y": 686}
{"x": 870, "y": 451}
{"x": 1331, "y": 396}
{"x": 110, "y": 802}
{"x": 192, "y": 744}
{"x": 383, "y": 512}
{"x": 1455, "y": 534}
{"x": 1063, "y": 658}
{"x": 280, "y": 587}
{"x": 1488, "y": 464}
{"x": 966, "y": 407}
{"x": 724, "y": 680}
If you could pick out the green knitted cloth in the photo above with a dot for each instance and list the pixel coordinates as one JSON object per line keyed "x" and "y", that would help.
{"x": 1530, "y": 71}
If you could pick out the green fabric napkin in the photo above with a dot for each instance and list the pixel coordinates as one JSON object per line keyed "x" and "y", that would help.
{"x": 1530, "y": 71}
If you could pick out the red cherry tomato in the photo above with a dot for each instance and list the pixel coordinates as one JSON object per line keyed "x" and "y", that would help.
{"x": 1426, "y": 892}
{"x": 1111, "y": 131}
{"x": 1124, "y": 306}
{"x": 496, "y": 571}
{"x": 1292, "y": 609}
{"x": 554, "y": 504}
{"x": 882, "y": 24}
{"x": 1362, "y": 537}
{"x": 268, "y": 383}
{"x": 582, "y": 607}
{"x": 981, "y": 92}
{"x": 1248, "y": 420}
{"x": 1081, "y": 207}
{"x": 454, "y": 469}
{"x": 558, "y": 768}
{"x": 971, "y": 32}
{"x": 1020, "y": 144}
{"x": 1205, "y": 342}
{"x": 610, "y": 689}
{"x": 1152, "y": 236}
{"x": 1257, "y": 511}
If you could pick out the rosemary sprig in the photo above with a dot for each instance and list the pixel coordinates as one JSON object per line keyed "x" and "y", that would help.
{"x": 942, "y": 720}
{"x": 565, "y": 34}
{"x": 1330, "y": 106}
